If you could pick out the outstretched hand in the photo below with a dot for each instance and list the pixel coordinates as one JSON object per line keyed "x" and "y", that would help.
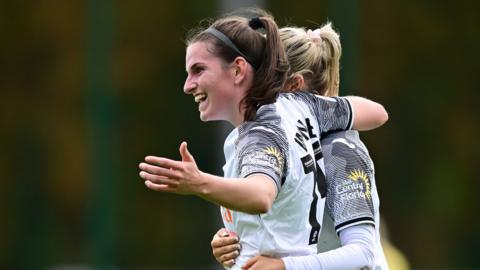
{"x": 167, "y": 175}
{"x": 263, "y": 263}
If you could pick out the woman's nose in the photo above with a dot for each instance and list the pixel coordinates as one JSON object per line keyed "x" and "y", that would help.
{"x": 189, "y": 85}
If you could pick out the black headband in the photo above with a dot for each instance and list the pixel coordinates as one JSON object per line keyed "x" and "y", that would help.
{"x": 229, "y": 43}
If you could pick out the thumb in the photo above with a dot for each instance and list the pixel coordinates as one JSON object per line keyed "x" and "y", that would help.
{"x": 222, "y": 232}
{"x": 186, "y": 156}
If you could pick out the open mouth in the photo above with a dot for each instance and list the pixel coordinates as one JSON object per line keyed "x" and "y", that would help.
{"x": 200, "y": 98}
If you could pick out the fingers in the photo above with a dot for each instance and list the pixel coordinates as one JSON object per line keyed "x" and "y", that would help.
{"x": 228, "y": 263}
{"x": 219, "y": 251}
{"x": 224, "y": 241}
{"x": 162, "y": 174}
{"x": 159, "y": 187}
{"x": 216, "y": 242}
{"x": 164, "y": 162}
{"x": 159, "y": 171}
{"x": 225, "y": 247}
{"x": 222, "y": 232}
{"x": 227, "y": 258}
{"x": 228, "y": 253}
{"x": 158, "y": 179}
{"x": 250, "y": 263}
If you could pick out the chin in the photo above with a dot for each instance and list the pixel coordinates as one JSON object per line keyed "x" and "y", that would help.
{"x": 210, "y": 118}
{"x": 204, "y": 118}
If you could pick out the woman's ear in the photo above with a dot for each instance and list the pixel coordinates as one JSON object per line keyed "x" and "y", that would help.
{"x": 241, "y": 69}
{"x": 296, "y": 82}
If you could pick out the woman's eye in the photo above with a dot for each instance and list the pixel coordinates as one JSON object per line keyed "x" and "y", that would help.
{"x": 198, "y": 69}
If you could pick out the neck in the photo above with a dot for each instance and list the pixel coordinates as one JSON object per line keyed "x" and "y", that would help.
{"x": 238, "y": 118}
{"x": 239, "y": 112}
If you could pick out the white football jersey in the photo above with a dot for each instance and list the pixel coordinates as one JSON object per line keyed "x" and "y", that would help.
{"x": 283, "y": 142}
{"x": 352, "y": 196}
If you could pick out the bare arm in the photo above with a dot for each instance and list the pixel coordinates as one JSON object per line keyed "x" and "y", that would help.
{"x": 367, "y": 114}
{"x": 254, "y": 194}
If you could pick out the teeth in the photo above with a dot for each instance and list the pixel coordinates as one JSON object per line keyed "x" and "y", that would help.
{"x": 200, "y": 97}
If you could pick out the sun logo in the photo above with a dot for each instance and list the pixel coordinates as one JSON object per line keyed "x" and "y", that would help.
{"x": 356, "y": 175}
{"x": 276, "y": 153}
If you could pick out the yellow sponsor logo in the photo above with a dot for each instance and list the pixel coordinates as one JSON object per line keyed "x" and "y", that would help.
{"x": 276, "y": 153}
{"x": 360, "y": 175}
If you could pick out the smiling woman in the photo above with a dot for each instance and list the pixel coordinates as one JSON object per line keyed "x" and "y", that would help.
{"x": 234, "y": 64}
{"x": 273, "y": 158}
{"x": 210, "y": 82}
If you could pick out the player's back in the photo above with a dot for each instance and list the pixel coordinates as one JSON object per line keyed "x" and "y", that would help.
{"x": 288, "y": 130}
{"x": 297, "y": 212}
{"x": 352, "y": 196}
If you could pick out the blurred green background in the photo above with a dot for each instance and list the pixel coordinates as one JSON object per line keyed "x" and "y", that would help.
{"x": 88, "y": 88}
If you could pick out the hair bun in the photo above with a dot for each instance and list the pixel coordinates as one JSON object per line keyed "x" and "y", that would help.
{"x": 255, "y": 23}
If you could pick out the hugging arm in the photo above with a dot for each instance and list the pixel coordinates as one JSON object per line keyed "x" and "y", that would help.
{"x": 357, "y": 251}
{"x": 367, "y": 114}
{"x": 343, "y": 113}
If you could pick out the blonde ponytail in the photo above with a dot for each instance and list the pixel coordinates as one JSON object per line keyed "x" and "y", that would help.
{"x": 332, "y": 51}
{"x": 316, "y": 56}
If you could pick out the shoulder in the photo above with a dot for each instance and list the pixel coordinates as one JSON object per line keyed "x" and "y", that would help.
{"x": 344, "y": 151}
{"x": 265, "y": 132}
{"x": 348, "y": 139}
{"x": 302, "y": 96}
{"x": 267, "y": 122}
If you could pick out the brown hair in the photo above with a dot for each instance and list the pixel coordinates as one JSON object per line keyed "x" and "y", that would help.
{"x": 264, "y": 52}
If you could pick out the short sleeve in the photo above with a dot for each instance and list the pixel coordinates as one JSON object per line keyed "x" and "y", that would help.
{"x": 333, "y": 113}
{"x": 349, "y": 185}
{"x": 262, "y": 150}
